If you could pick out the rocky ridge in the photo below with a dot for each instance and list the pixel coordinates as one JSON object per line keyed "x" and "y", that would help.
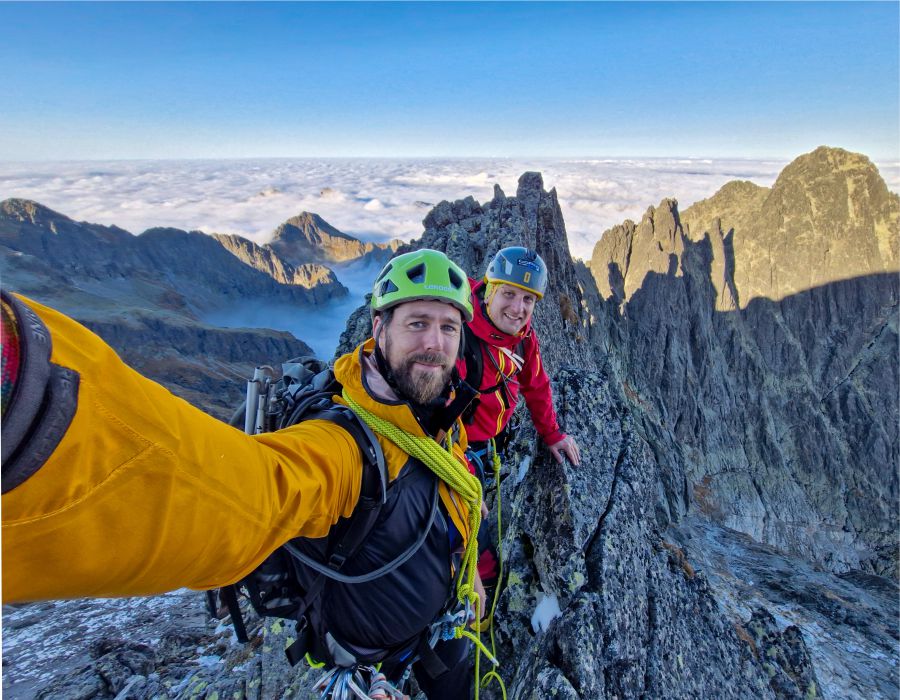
{"x": 703, "y": 436}
{"x": 190, "y": 270}
{"x": 146, "y": 294}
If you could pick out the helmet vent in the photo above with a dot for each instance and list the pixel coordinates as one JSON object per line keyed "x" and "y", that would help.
{"x": 416, "y": 274}
{"x": 387, "y": 268}
{"x": 455, "y": 279}
{"x": 387, "y": 287}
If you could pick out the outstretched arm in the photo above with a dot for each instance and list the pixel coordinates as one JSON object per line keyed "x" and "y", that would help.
{"x": 138, "y": 492}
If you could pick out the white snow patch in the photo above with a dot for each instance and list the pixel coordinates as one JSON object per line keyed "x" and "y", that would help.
{"x": 523, "y": 468}
{"x": 545, "y": 612}
{"x": 209, "y": 661}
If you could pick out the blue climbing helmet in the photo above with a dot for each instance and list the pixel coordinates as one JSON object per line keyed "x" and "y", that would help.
{"x": 520, "y": 267}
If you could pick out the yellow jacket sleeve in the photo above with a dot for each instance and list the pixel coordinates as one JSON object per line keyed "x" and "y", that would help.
{"x": 145, "y": 493}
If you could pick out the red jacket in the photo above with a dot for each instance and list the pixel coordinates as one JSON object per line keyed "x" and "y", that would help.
{"x": 500, "y": 355}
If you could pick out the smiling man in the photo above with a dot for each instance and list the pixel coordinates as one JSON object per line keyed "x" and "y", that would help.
{"x": 503, "y": 358}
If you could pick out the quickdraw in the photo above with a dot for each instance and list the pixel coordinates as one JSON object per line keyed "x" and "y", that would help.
{"x": 362, "y": 682}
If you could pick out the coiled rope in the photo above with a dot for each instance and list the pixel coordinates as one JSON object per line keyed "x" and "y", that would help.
{"x": 451, "y": 472}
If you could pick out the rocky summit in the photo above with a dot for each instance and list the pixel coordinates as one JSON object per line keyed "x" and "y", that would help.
{"x": 761, "y": 329}
{"x": 731, "y": 375}
{"x": 309, "y": 238}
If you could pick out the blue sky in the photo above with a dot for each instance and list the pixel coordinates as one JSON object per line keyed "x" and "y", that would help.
{"x": 234, "y": 80}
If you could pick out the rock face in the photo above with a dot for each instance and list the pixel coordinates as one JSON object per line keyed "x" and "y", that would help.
{"x": 309, "y": 238}
{"x": 760, "y": 349}
{"x": 703, "y": 420}
{"x": 587, "y": 537}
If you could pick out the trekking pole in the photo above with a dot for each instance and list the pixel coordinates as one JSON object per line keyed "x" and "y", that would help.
{"x": 257, "y": 400}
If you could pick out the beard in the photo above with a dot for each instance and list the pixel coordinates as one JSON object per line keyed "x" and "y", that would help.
{"x": 419, "y": 385}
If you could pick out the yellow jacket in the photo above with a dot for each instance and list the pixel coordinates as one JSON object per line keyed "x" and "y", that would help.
{"x": 146, "y": 493}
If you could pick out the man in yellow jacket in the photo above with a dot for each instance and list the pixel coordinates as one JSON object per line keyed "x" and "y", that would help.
{"x": 112, "y": 486}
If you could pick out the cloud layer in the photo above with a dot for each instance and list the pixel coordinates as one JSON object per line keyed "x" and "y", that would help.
{"x": 372, "y": 199}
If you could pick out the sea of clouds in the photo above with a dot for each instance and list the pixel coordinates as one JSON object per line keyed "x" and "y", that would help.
{"x": 372, "y": 199}
{"x": 319, "y": 327}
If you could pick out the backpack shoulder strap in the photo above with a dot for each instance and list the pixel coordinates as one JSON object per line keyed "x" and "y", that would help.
{"x": 474, "y": 359}
{"x": 314, "y": 401}
{"x": 472, "y": 354}
{"x": 373, "y": 487}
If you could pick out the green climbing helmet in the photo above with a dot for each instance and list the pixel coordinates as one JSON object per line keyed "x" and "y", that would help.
{"x": 520, "y": 267}
{"x": 422, "y": 274}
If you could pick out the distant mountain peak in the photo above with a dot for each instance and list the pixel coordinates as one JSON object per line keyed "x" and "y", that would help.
{"x": 308, "y": 238}
{"x": 26, "y": 210}
{"x": 311, "y": 226}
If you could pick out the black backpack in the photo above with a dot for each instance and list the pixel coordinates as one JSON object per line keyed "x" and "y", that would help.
{"x": 274, "y": 590}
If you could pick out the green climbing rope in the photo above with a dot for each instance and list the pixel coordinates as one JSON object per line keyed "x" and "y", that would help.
{"x": 451, "y": 472}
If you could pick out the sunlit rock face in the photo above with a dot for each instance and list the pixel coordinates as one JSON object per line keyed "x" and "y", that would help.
{"x": 311, "y": 276}
{"x": 309, "y": 238}
{"x": 828, "y": 217}
{"x": 765, "y": 352}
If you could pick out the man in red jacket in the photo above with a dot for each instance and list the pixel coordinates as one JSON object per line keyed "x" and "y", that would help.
{"x": 503, "y": 347}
